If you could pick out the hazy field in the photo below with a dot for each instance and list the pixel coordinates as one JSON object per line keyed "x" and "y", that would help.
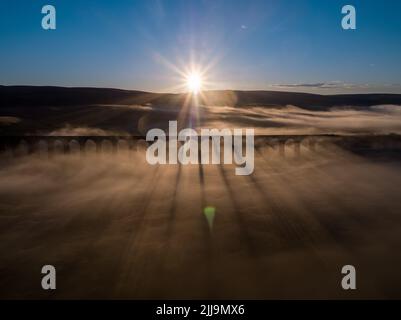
{"x": 116, "y": 227}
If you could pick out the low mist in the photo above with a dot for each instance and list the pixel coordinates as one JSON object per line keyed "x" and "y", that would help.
{"x": 116, "y": 227}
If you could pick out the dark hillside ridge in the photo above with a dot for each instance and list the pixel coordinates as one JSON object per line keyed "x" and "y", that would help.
{"x": 25, "y": 96}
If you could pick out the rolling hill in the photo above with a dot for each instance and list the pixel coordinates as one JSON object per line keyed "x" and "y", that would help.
{"x": 61, "y": 96}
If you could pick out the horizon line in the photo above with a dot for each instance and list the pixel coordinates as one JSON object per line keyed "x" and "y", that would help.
{"x": 181, "y": 93}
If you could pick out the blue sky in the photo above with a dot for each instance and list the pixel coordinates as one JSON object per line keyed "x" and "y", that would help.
{"x": 295, "y": 45}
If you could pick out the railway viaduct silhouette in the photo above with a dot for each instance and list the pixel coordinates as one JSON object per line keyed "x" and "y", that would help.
{"x": 281, "y": 144}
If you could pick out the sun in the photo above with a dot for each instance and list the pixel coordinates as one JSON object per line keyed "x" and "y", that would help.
{"x": 194, "y": 82}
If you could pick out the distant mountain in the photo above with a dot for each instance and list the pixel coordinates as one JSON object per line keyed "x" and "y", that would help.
{"x": 25, "y": 96}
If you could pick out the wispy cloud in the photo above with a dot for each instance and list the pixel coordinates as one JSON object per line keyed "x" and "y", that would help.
{"x": 322, "y": 85}
{"x": 338, "y": 87}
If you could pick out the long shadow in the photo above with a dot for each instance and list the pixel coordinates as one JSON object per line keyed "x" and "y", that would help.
{"x": 207, "y": 231}
{"x": 285, "y": 229}
{"x": 90, "y": 249}
{"x": 239, "y": 213}
{"x": 204, "y": 203}
{"x": 173, "y": 208}
{"x": 289, "y": 227}
{"x": 351, "y": 217}
{"x": 329, "y": 228}
{"x": 135, "y": 230}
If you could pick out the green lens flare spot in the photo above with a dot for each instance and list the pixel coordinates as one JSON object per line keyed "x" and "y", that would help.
{"x": 210, "y": 213}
